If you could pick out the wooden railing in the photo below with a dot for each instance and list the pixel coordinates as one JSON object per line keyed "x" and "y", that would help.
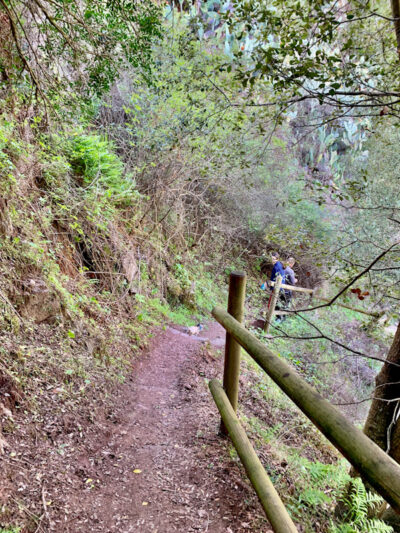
{"x": 373, "y": 464}
{"x": 269, "y": 498}
{"x": 313, "y": 294}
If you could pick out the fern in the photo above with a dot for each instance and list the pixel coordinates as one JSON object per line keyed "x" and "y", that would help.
{"x": 377, "y": 526}
{"x": 373, "y": 500}
{"x": 313, "y": 497}
{"x": 360, "y": 503}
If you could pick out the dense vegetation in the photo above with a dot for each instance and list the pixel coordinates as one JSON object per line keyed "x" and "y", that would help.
{"x": 146, "y": 152}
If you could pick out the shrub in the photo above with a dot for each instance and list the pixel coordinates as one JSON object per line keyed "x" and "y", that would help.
{"x": 92, "y": 159}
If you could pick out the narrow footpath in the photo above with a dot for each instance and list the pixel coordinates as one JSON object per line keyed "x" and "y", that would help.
{"x": 159, "y": 466}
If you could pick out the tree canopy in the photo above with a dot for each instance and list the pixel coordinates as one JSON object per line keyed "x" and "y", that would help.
{"x": 74, "y": 50}
{"x": 342, "y": 54}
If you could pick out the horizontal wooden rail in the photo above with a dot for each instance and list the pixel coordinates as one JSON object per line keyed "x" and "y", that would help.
{"x": 293, "y": 311}
{"x": 380, "y": 470}
{"x": 311, "y": 291}
{"x": 269, "y": 498}
{"x": 292, "y": 288}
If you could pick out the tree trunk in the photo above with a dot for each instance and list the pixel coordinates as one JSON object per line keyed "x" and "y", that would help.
{"x": 382, "y": 422}
{"x": 396, "y": 17}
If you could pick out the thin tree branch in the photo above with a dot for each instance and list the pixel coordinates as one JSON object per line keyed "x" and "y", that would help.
{"x": 360, "y": 275}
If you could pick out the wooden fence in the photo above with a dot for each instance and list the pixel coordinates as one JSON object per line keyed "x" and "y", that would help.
{"x": 373, "y": 464}
{"x": 312, "y": 294}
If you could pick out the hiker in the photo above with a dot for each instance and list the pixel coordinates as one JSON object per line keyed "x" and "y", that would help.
{"x": 277, "y": 269}
{"x": 290, "y": 279}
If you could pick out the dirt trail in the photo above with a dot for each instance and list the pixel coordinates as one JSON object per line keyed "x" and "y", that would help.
{"x": 159, "y": 466}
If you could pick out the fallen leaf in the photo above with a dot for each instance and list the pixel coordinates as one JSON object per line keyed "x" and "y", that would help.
{"x": 145, "y": 503}
{"x": 356, "y": 291}
{"x": 137, "y": 471}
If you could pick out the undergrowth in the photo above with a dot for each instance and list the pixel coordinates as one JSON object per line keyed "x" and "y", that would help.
{"x": 360, "y": 508}
{"x": 304, "y": 467}
{"x": 307, "y": 471}
{"x": 327, "y": 348}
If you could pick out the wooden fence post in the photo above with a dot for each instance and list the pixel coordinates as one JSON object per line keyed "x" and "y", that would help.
{"x": 237, "y": 291}
{"x": 274, "y": 299}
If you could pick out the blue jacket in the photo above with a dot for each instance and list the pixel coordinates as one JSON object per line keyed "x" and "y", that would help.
{"x": 278, "y": 269}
